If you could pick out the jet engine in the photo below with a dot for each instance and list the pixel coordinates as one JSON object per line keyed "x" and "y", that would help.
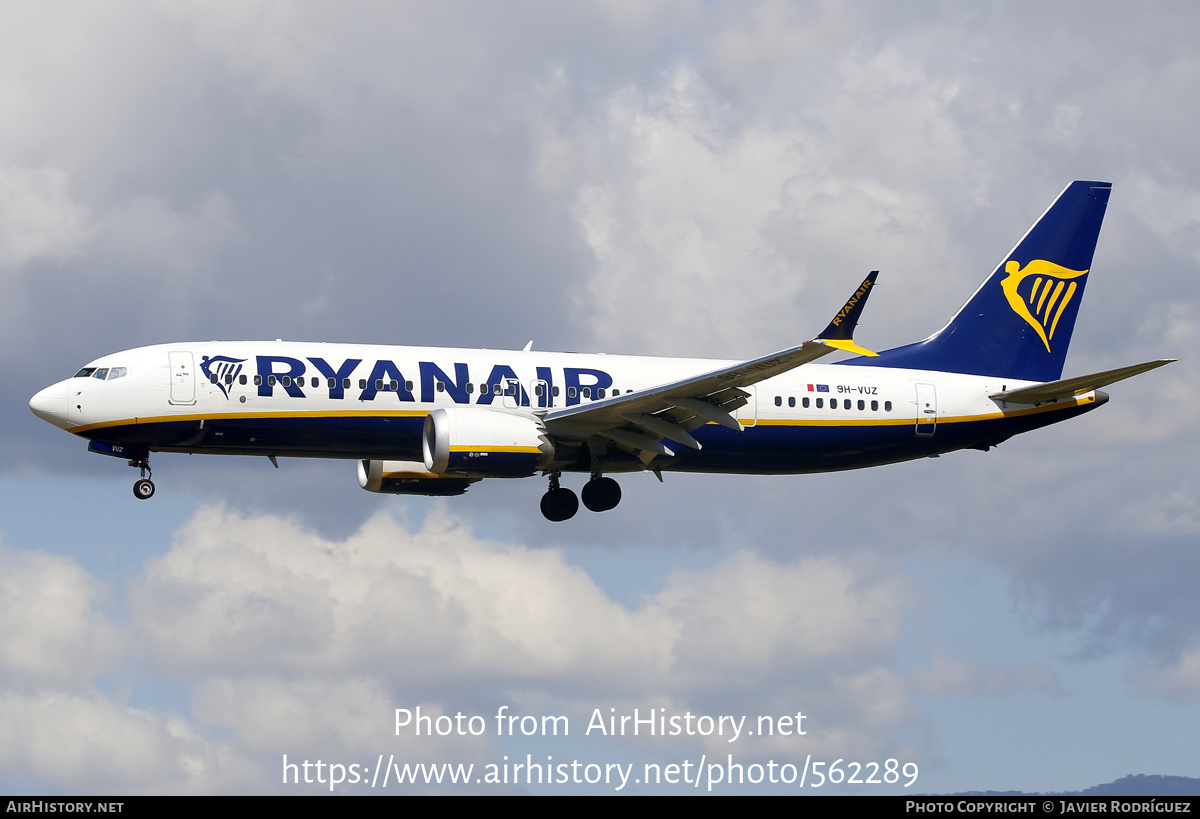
{"x": 407, "y": 478}
{"x": 484, "y": 443}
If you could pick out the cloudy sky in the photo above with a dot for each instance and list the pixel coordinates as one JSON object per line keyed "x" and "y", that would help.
{"x": 690, "y": 179}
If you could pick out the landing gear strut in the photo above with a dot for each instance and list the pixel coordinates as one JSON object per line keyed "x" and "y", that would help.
{"x": 601, "y": 494}
{"x": 559, "y": 503}
{"x": 143, "y": 489}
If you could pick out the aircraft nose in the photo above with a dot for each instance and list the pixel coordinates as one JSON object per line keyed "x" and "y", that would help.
{"x": 51, "y": 404}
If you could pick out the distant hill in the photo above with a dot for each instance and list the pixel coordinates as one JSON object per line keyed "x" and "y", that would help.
{"x": 1142, "y": 785}
{"x": 1133, "y": 785}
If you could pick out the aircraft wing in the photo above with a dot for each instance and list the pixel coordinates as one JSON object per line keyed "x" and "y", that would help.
{"x": 1070, "y": 387}
{"x": 639, "y": 421}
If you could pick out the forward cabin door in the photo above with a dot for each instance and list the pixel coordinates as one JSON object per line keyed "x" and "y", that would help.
{"x": 183, "y": 379}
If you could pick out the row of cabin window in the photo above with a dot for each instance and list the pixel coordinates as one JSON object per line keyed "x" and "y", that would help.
{"x": 392, "y": 386}
{"x": 833, "y": 403}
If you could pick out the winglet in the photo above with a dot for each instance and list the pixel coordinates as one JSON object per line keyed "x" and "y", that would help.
{"x": 840, "y": 331}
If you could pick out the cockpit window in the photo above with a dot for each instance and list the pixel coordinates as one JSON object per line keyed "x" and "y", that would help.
{"x": 85, "y": 372}
{"x": 101, "y": 373}
{"x": 116, "y": 372}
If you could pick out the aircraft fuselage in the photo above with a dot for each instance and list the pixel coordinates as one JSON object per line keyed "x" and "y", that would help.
{"x": 294, "y": 399}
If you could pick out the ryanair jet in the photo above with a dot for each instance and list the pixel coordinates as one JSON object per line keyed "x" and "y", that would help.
{"x": 432, "y": 421}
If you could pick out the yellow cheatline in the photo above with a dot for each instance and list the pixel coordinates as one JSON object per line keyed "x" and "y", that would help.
{"x": 252, "y": 415}
{"x": 532, "y": 450}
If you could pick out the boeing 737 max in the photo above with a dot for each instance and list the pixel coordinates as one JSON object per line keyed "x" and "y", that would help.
{"x": 431, "y": 421}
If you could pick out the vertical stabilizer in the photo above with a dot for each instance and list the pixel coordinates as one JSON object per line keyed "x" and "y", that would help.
{"x": 1018, "y": 324}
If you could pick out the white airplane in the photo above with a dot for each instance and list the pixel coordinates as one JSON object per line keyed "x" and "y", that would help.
{"x": 431, "y": 421}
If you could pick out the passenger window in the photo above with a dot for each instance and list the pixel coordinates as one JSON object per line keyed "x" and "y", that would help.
{"x": 616, "y": 393}
{"x": 331, "y": 383}
{"x": 229, "y": 379}
{"x": 242, "y": 380}
{"x": 820, "y": 403}
{"x": 600, "y": 392}
{"x": 778, "y": 401}
{"x": 554, "y": 391}
{"x": 862, "y": 404}
{"x": 394, "y": 385}
{"x": 345, "y": 383}
{"x": 362, "y": 384}
{"x": 539, "y": 390}
{"x": 213, "y": 378}
{"x": 483, "y": 389}
{"x": 805, "y": 402}
{"x": 887, "y": 406}
{"x": 270, "y": 381}
{"x": 287, "y": 381}
{"x": 441, "y": 387}
{"x": 258, "y": 381}
{"x": 470, "y": 388}
{"x": 587, "y": 392}
{"x": 874, "y": 406}
{"x": 846, "y": 404}
{"x": 570, "y": 392}
{"x": 378, "y": 383}
{"x": 408, "y": 386}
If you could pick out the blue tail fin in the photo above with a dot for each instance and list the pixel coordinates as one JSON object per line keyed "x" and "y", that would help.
{"x": 1019, "y": 322}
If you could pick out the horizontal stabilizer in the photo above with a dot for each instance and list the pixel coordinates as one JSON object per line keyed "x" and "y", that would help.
{"x": 1070, "y": 387}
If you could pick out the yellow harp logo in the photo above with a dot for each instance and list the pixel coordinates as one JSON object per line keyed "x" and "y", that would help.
{"x": 1044, "y": 302}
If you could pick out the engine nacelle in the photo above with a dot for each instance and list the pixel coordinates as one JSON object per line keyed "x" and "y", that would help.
{"x": 407, "y": 478}
{"x": 484, "y": 443}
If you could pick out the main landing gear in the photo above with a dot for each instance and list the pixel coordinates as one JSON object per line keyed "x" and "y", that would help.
{"x": 599, "y": 495}
{"x": 143, "y": 489}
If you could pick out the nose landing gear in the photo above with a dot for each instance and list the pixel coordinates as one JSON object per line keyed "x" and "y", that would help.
{"x": 143, "y": 489}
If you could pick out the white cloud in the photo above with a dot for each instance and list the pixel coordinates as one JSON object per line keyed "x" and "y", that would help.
{"x": 708, "y": 227}
{"x": 248, "y": 593}
{"x": 87, "y": 743}
{"x": 952, "y": 676}
{"x": 51, "y": 629}
{"x": 1172, "y": 212}
{"x": 257, "y": 597}
{"x": 149, "y": 235}
{"x": 39, "y": 216}
{"x": 1180, "y": 680}
{"x": 294, "y": 716}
